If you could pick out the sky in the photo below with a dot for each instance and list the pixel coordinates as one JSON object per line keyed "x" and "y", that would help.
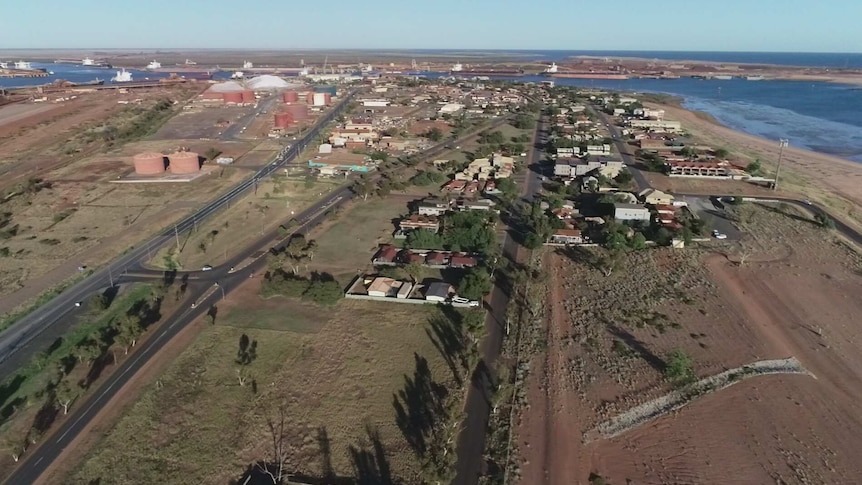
{"x": 681, "y": 25}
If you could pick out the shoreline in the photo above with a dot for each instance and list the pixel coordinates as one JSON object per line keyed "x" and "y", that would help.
{"x": 834, "y": 181}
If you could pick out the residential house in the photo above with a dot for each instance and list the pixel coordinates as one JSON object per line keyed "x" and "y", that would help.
{"x": 433, "y": 207}
{"x": 655, "y": 197}
{"x": 384, "y": 287}
{"x": 437, "y": 258}
{"x": 631, "y": 212}
{"x": 568, "y": 152}
{"x": 409, "y": 257}
{"x": 439, "y": 291}
{"x": 604, "y": 149}
{"x": 657, "y": 125}
{"x": 455, "y": 186}
{"x": 567, "y": 236}
{"x": 462, "y": 261}
{"x": 418, "y": 221}
{"x": 697, "y": 169}
{"x": 385, "y": 255}
{"x": 574, "y": 167}
{"x": 480, "y": 204}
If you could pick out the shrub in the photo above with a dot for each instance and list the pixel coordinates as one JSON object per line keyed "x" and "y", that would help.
{"x": 324, "y": 292}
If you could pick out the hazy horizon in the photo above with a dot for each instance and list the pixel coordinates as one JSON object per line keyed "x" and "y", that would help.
{"x": 679, "y": 25}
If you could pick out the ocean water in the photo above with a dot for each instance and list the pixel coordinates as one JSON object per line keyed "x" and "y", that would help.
{"x": 822, "y": 117}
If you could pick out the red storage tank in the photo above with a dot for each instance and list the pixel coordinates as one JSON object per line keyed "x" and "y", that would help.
{"x": 233, "y": 97}
{"x": 149, "y": 163}
{"x": 184, "y": 162}
{"x": 298, "y": 111}
{"x": 290, "y": 97}
{"x": 210, "y": 94}
{"x": 283, "y": 120}
{"x": 248, "y": 96}
{"x": 309, "y": 98}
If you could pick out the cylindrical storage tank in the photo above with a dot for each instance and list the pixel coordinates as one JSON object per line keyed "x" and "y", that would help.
{"x": 248, "y": 96}
{"x": 332, "y": 90}
{"x": 298, "y": 111}
{"x": 309, "y": 98}
{"x": 233, "y": 97}
{"x": 184, "y": 162}
{"x": 319, "y": 99}
{"x": 290, "y": 97}
{"x": 149, "y": 163}
{"x": 283, "y": 120}
{"x": 328, "y": 98}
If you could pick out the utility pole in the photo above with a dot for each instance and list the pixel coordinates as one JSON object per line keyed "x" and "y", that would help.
{"x": 110, "y": 276}
{"x": 177, "y": 236}
{"x": 782, "y": 143}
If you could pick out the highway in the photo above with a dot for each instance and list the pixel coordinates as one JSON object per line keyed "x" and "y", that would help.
{"x": 477, "y": 408}
{"x": 205, "y": 288}
{"x": 22, "y": 332}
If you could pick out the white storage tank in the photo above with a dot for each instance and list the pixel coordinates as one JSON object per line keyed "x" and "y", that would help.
{"x": 319, "y": 99}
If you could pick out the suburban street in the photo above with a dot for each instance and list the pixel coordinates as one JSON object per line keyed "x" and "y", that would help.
{"x": 477, "y": 408}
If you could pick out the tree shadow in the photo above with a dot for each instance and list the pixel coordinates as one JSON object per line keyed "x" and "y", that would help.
{"x": 7, "y": 390}
{"x": 110, "y": 294}
{"x": 633, "y": 343}
{"x": 795, "y": 217}
{"x": 371, "y": 466}
{"x": 448, "y": 339}
{"x": 419, "y": 406}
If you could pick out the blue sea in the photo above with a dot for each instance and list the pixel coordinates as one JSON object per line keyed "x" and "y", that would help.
{"x": 820, "y": 116}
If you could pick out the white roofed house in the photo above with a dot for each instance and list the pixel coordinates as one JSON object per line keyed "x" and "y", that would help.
{"x": 631, "y": 212}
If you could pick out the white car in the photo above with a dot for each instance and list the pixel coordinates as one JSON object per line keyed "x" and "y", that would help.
{"x": 719, "y": 236}
{"x": 207, "y": 268}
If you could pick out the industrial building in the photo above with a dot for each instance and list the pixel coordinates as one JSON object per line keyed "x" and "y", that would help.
{"x": 184, "y": 162}
{"x": 149, "y": 163}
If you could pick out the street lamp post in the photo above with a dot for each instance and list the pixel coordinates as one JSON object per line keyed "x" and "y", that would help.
{"x": 782, "y": 143}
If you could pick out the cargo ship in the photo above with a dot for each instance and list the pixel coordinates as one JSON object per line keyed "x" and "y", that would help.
{"x": 490, "y": 73}
{"x": 589, "y": 75}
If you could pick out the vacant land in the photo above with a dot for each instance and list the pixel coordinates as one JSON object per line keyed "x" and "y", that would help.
{"x": 274, "y": 204}
{"x": 341, "y": 375}
{"x": 202, "y": 122}
{"x": 347, "y": 245}
{"x": 613, "y": 343}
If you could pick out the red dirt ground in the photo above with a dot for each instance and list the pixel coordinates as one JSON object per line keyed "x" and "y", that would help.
{"x": 778, "y": 429}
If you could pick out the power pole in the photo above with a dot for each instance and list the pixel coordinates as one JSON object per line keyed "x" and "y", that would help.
{"x": 782, "y": 143}
{"x": 177, "y": 236}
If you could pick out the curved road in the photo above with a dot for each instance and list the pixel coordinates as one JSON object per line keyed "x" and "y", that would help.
{"x": 16, "y": 337}
{"x": 205, "y": 289}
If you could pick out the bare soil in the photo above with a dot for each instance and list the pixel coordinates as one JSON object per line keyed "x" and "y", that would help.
{"x": 608, "y": 340}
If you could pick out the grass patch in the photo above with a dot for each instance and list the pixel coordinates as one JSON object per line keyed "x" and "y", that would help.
{"x": 336, "y": 386}
{"x": 28, "y": 307}
{"x": 26, "y": 385}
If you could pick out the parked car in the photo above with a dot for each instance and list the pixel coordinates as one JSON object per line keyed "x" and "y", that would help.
{"x": 207, "y": 268}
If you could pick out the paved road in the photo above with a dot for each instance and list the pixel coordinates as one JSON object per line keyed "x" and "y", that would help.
{"x": 235, "y": 129}
{"x": 477, "y": 408}
{"x": 202, "y": 290}
{"x": 623, "y": 148}
{"x": 14, "y": 340}
{"x": 205, "y": 293}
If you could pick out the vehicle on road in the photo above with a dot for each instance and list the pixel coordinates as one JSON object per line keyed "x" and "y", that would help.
{"x": 78, "y": 304}
{"x": 207, "y": 268}
{"x": 807, "y": 202}
{"x": 718, "y": 235}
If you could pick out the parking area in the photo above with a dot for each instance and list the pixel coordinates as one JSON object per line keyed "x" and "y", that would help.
{"x": 714, "y": 212}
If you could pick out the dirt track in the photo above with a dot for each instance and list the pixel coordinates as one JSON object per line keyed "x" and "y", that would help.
{"x": 785, "y": 428}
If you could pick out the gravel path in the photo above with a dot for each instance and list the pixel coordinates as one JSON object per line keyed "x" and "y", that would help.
{"x": 677, "y": 399}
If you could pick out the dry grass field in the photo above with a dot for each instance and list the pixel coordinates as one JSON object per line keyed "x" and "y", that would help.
{"x": 335, "y": 371}
{"x": 609, "y": 343}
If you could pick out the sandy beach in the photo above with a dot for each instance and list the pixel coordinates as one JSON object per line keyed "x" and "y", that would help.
{"x": 832, "y": 181}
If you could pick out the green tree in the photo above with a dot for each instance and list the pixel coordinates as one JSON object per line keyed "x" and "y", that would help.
{"x": 324, "y": 292}
{"x": 129, "y": 330}
{"x": 624, "y": 177}
{"x": 66, "y": 394}
{"x": 824, "y": 221}
{"x": 363, "y": 188}
{"x": 679, "y": 368}
{"x": 638, "y": 242}
{"x": 755, "y": 168}
{"x": 416, "y": 272}
{"x": 424, "y": 239}
{"x": 434, "y": 134}
{"x": 721, "y": 153}
{"x": 212, "y": 153}
{"x": 475, "y": 284}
